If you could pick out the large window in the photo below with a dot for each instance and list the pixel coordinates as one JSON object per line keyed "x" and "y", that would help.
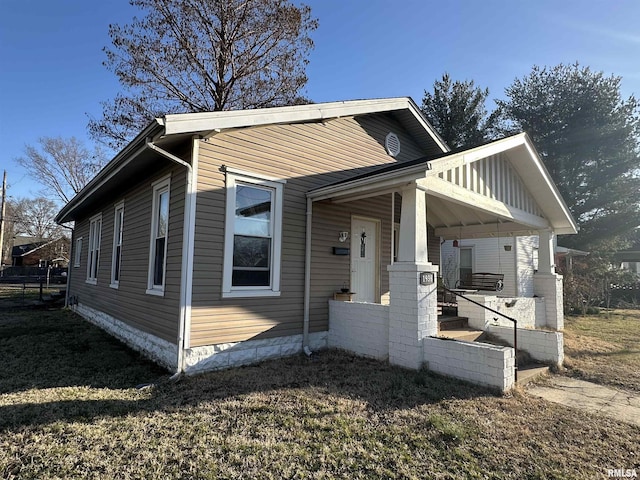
{"x": 95, "y": 232}
{"x": 159, "y": 235}
{"x": 253, "y": 233}
{"x": 118, "y": 221}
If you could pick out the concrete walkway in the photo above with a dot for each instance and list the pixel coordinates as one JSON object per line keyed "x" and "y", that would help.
{"x": 590, "y": 397}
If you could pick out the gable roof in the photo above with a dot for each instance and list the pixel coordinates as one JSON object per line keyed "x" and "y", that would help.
{"x": 171, "y": 129}
{"x": 28, "y": 248}
{"x": 431, "y": 174}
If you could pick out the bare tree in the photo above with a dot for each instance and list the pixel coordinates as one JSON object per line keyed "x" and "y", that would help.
{"x": 204, "y": 55}
{"x": 62, "y": 166}
{"x": 35, "y": 218}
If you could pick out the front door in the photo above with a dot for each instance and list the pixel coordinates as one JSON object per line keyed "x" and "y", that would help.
{"x": 364, "y": 259}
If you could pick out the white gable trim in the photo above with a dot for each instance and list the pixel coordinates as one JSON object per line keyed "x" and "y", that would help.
{"x": 205, "y": 122}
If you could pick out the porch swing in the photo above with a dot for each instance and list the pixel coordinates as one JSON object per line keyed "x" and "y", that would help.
{"x": 493, "y": 282}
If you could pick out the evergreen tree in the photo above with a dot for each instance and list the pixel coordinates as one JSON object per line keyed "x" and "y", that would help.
{"x": 457, "y": 112}
{"x": 588, "y": 137}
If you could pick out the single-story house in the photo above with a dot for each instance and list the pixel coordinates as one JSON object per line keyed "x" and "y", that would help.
{"x": 224, "y": 238}
{"x": 629, "y": 259}
{"x": 41, "y": 253}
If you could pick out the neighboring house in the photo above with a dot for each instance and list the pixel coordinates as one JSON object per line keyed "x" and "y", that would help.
{"x": 218, "y": 239}
{"x": 629, "y": 259}
{"x": 43, "y": 253}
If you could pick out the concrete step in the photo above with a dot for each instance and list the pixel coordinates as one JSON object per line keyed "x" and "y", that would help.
{"x": 531, "y": 372}
{"x": 468, "y": 334}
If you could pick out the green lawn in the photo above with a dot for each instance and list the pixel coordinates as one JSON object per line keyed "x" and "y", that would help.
{"x": 605, "y": 348}
{"x": 69, "y": 409}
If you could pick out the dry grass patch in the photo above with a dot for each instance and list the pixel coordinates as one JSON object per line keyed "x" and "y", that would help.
{"x": 331, "y": 416}
{"x": 605, "y": 348}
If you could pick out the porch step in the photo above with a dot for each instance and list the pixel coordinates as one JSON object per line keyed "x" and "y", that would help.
{"x": 531, "y": 372}
{"x": 452, "y": 323}
{"x": 468, "y": 334}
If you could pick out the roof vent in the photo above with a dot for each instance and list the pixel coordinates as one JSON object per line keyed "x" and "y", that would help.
{"x": 392, "y": 144}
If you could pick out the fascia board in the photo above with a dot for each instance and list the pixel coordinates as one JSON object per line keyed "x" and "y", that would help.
{"x": 209, "y": 121}
{"x": 374, "y": 182}
{"x": 126, "y": 155}
{"x": 570, "y": 227}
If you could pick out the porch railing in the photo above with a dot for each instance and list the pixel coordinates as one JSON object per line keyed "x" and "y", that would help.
{"x": 513, "y": 320}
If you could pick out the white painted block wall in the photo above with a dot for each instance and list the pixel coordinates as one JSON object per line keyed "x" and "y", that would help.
{"x": 529, "y": 312}
{"x": 478, "y": 363}
{"x": 361, "y": 328}
{"x": 544, "y": 346}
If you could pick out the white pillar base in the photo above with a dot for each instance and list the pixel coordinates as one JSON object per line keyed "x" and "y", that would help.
{"x": 413, "y": 312}
{"x": 549, "y": 286}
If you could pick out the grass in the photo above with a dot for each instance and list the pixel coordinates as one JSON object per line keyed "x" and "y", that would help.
{"x": 605, "y": 348}
{"x": 17, "y": 295}
{"x": 69, "y": 409}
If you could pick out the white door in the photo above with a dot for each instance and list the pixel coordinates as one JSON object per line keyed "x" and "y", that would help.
{"x": 364, "y": 259}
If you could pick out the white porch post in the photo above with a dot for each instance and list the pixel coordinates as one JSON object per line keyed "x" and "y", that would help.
{"x": 413, "y": 307}
{"x": 547, "y": 283}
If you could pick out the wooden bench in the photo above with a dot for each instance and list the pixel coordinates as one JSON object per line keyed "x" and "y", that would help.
{"x": 493, "y": 282}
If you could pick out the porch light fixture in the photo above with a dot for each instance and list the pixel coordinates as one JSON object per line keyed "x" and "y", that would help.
{"x": 456, "y": 244}
{"x": 343, "y": 237}
{"x": 507, "y": 248}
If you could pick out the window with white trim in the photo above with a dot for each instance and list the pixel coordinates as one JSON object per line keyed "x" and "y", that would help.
{"x": 116, "y": 254}
{"x": 253, "y": 236}
{"x": 93, "y": 261}
{"x": 77, "y": 253}
{"x": 159, "y": 236}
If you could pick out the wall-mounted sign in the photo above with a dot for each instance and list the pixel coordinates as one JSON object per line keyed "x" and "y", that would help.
{"x": 426, "y": 278}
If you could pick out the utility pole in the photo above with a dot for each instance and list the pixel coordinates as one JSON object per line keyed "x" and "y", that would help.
{"x": 4, "y": 202}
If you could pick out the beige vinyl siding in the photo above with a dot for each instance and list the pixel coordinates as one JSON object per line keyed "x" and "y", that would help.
{"x": 129, "y": 302}
{"x": 307, "y": 155}
{"x": 329, "y": 271}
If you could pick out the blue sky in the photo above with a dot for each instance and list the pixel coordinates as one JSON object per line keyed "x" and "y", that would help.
{"x": 52, "y": 78}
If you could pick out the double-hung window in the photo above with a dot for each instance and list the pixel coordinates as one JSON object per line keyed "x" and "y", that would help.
{"x": 118, "y": 221}
{"x": 77, "y": 252}
{"x": 159, "y": 236}
{"x": 253, "y": 236}
{"x": 93, "y": 261}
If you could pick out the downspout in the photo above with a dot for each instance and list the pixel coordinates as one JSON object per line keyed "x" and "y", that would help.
{"x": 187, "y": 259}
{"x": 307, "y": 279}
{"x": 72, "y": 254}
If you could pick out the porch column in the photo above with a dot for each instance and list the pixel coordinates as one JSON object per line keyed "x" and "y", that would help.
{"x": 413, "y": 306}
{"x": 547, "y": 283}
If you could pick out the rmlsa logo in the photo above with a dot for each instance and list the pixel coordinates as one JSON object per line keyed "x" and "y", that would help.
{"x": 622, "y": 473}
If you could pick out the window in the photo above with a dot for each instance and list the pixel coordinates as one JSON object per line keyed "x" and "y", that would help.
{"x": 117, "y": 245}
{"x": 95, "y": 232}
{"x": 253, "y": 235}
{"x": 159, "y": 234}
{"x": 77, "y": 253}
{"x": 466, "y": 263}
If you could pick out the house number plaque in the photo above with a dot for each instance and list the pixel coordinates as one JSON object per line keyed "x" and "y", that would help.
{"x": 426, "y": 278}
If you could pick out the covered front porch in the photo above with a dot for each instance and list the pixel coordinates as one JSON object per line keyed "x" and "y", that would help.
{"x": 478, "y": 193}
